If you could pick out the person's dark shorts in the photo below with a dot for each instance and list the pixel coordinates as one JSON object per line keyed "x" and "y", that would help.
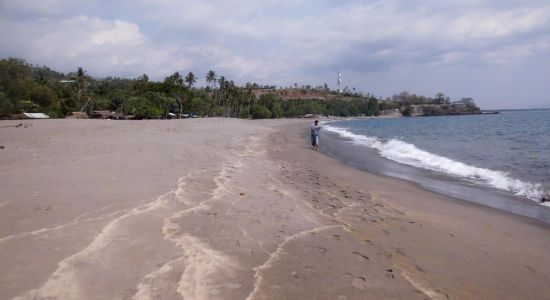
{"x": 314, "y": 139}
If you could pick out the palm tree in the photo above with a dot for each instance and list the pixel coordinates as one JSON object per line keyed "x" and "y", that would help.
{"x": 211, "y": 78}
{"x": 82, "y": 81}
{"x": 175, "y": 80}
{"x": 174, "y": 84}
{"x": 221, "y": 81}
{"x": 190, "y": 79}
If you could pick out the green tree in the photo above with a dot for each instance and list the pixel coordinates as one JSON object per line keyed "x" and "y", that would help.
{"x": 211, "y": 78}
{"x": 222, "y": 81}
{"x": 407, "y": 111}
{"x": 276, "y": 109}
{"x": 151, "y": 105}
{"x": 199, "y": 106}
{"x": 27, "y": 106}
{"x": 173, "y": 82}
{"x": 44, "y": 96}
{"x": 15, "y": 79}
{"x": 81, "y": 83}
{"x": 13, "y": 69}
{"x": 190, "y": 79}
{"x": 220, "y": 95}
{"x": 440, "y": 98}
{"x": 372, "y": 107}
{"x": 173, "y": 85}
{"x": 6, "y": 107}
{"x": 141, "y": 84}
{"x": 101, "y": 103}
{"x": 141, "y": 108}
{"x": 258, "y": 111}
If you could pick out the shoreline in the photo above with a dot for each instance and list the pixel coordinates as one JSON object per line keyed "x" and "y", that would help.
{"x": 369, "y": 160}
{"x": 180, "y": 208}
{"x": 450, "y": 226}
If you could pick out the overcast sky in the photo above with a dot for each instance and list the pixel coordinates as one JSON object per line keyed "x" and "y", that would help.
{"x": 497, "y": 52}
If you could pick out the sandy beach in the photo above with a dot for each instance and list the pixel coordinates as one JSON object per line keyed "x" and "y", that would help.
{"x": 239, "y": 209}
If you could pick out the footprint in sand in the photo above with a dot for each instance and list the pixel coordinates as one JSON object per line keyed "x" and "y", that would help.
{"x": 530, "y": 269}
{"x": 417, "y": 224}
{"x": 399, "y": 251}
{"x": 359, "y": 282}
{"x": 321, "y": 250}
{"x": 419, "y": 269}
{"x": 360, "y": 256}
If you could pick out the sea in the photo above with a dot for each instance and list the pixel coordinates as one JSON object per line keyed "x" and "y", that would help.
{"x": 500, "y": 160}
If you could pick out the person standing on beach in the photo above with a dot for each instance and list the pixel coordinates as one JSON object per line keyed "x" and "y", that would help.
{"x": 315, "y": 135}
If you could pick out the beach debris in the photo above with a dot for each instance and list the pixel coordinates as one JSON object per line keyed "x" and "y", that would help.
{"x": 24, "y": 125}
{"x": 242, "y": 194}
{"x": 103, "y": 114}
{"x": 2, "y": 147}
{"x": 14, "y": 126}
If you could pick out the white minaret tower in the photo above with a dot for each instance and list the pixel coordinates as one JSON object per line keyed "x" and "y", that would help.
{"x": 339, "y": 80}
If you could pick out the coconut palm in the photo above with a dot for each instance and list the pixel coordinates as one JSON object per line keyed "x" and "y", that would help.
{"x": 211, "y": 78}
{"x": 190, "y": 79}
{"x": 221, "y": 82}
{"x": 82, "y": 82}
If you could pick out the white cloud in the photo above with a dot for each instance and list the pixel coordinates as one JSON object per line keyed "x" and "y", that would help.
{"x": 103, "y": 47}
{"x": 480, "y": 25}
{"x": 119, "y": 33}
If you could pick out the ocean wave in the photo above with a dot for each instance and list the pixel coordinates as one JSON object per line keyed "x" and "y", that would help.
{"x": 406, "y": 153}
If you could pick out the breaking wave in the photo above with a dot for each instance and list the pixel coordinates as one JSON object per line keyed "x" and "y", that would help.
{"x": 406, "y": 153}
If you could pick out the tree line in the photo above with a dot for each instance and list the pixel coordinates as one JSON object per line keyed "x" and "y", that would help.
{"x": 29, "y": 88}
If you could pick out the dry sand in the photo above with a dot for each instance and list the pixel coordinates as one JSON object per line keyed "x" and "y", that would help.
{"x": 235, "y": 209}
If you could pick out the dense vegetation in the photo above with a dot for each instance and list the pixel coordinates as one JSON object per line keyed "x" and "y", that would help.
{"x": 28, "y": 88}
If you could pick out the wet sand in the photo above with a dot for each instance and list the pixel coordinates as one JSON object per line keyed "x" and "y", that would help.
{"x": 236, "y": 209}
{"x": 370, "y": 160}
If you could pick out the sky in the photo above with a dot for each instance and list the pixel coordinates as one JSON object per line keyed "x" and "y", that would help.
{"x": 497, "y": 52}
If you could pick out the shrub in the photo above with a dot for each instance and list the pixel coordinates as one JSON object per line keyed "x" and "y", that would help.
{"x": 259, "y": 112}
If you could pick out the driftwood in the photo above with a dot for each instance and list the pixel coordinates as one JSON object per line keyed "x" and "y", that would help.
{"x": 18, "y": 125}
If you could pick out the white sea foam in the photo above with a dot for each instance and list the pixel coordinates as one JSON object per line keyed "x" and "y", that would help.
{"x": 409, "y": 154}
